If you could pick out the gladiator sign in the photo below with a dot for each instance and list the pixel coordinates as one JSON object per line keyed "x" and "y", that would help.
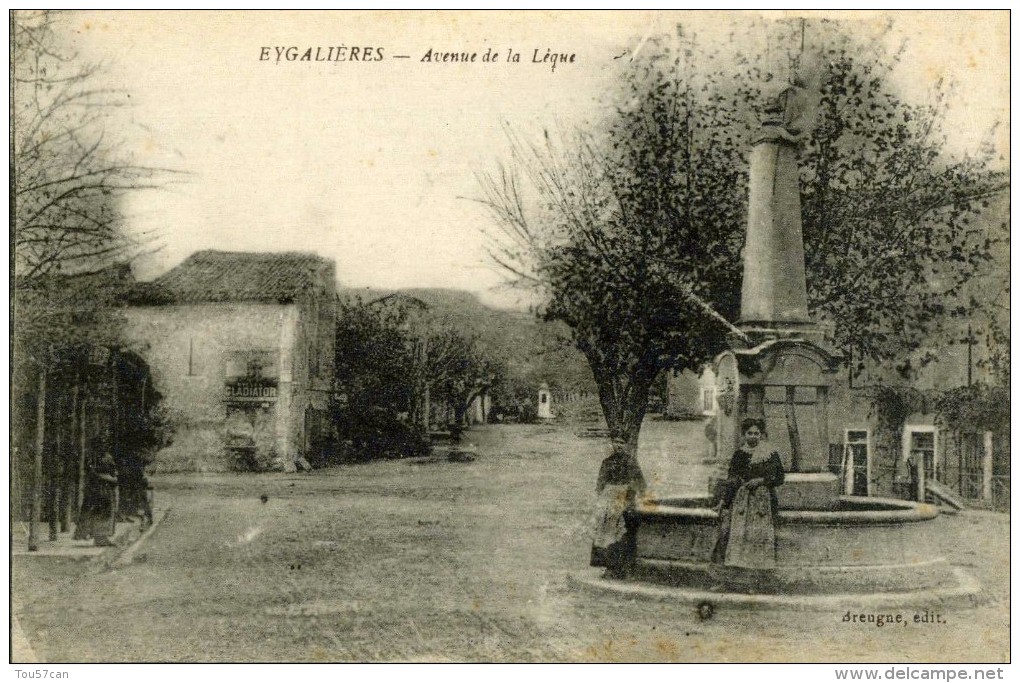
{"x": 249, "y": 391}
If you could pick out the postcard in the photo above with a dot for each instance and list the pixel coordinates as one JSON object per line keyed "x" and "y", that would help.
{"x": 520, "y": 336}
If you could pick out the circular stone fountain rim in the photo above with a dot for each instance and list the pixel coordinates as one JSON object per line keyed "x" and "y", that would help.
{"x": 899, "y": 512}
{"x": 966, "y": 592}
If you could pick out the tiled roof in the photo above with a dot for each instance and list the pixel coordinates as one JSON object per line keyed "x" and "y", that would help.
{"x": 225, "y": 276}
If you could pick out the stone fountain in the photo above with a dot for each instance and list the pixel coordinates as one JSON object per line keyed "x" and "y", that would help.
{"x": 780, "y": 368}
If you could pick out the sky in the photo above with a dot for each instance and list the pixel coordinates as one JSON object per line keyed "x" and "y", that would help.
{"x": 374, "y": 163}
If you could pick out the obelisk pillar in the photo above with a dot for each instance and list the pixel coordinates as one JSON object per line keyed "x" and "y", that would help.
{"x": 774, "y": 292}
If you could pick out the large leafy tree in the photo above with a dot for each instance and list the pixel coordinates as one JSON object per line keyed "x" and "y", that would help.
{"x": 373, "y": 364}
{"x": 372, "y": 358}
{"x": 894, "y": 227}
{"x": 632, "y": 230}
{"x": 625, "y": 242}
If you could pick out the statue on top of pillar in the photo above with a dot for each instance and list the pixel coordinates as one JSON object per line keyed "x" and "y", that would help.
{"x": 788, "y": 113}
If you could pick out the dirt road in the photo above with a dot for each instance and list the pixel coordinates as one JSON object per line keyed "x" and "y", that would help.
{"x": 440, "y": 561}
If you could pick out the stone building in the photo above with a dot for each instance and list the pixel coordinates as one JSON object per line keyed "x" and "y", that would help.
{"x": 690, "y": 395}
{"x": 240, "y": 345}
{"x": 971, "y": 460}
{"x": 872, "y": 455}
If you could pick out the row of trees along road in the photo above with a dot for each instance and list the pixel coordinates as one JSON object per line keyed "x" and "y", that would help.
{"x": 68, "y": 177}
{"x": 395, "y": 357}
{"x": 632, "y": 229}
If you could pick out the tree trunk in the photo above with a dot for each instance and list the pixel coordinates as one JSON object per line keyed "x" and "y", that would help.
{"x": 623, "y": 400}
{"x": 115, "y": 419}
{"x": 114, "y": 443}
{"x": 37, "y": 469}
{"x": 961, "y": 444}
{"x": 57, "y": 474}
{"x": 82, "y": 455}
{"x": 420, "y": 399}
{"x": 460, "y": 415}
{"x": 986, "y": 467}
{"x": 49, "y": 473}
{"x": 74, "y": 473}
{"x": 66, "y": 436}
{"x": 426, "y": 409}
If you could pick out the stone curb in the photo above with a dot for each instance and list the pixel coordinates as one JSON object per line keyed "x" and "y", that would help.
{"x": 84, "y": 551}
{"x": 967, "y": 592}
{"x": 121, "y": 558}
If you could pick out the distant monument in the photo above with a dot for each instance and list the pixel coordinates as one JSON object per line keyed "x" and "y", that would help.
{"x": 544, "y": 403}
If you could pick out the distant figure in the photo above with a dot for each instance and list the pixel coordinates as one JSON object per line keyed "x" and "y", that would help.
{"x": 749, "y": 505}
{"x": 619, "y": 484}
{"x": 134, "y": 489}
{"x": 711, "y": 434}
{"x": 456, "y": 430}
{"x": 914, "y": 476}
{"x": 96, "y": 519}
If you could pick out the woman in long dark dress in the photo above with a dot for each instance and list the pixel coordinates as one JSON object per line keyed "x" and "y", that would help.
{"x": 749, "y": 505}
{"x": 619, "y": 485}
{"x": 95, "y": 520}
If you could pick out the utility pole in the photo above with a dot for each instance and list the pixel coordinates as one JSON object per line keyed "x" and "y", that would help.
{"x": 37, "y": 463}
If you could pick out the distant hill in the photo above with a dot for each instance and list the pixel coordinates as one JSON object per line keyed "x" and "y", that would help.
{"x": 535, "y": 351}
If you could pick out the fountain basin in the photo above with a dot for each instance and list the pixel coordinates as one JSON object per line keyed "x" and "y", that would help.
{"x": 856, "y": 545}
